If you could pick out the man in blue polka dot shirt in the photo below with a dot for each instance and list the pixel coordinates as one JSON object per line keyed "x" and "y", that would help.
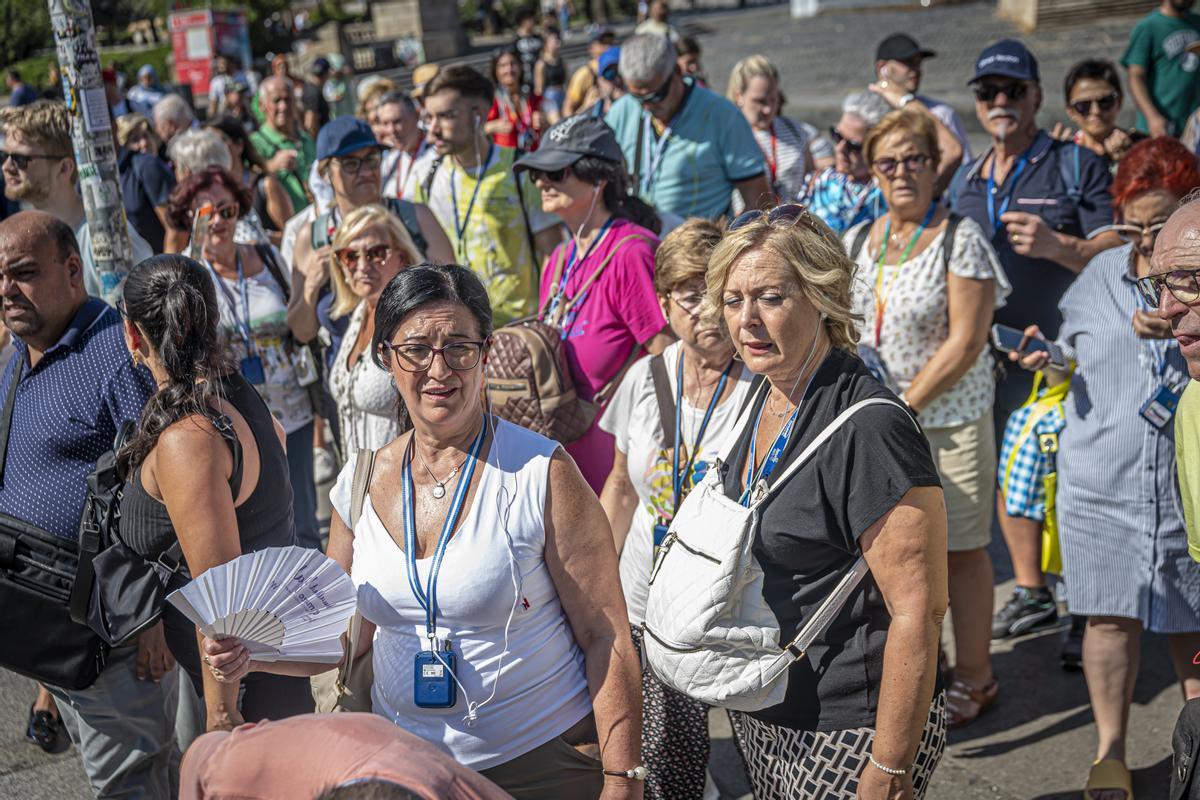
{"x": 76, "y": 385}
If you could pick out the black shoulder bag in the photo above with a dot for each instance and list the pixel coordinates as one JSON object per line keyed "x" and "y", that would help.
{"x": 119, "y": 593}
{"x": 37, "y": 575}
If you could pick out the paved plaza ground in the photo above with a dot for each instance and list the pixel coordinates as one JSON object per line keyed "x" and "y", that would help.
{"x": 1038, "y": 743}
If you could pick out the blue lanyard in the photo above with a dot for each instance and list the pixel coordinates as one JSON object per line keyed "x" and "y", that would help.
{"x": 461, "y": 228}
{"x": 1159, "y": 358}
{"x": 428, "y": 600}
{"x": 560, "y": 291}
{"x": 652, "y": 152}
{"x": 677, "y": 476}
{"x": 993, "y": 216}
{"x": 773, "y": 455}
{"x": 243, "y": 325}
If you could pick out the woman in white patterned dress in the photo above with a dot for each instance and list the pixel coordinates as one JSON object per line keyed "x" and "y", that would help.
{"x": 926, "y": 286}
{"x": 370, "y": 248}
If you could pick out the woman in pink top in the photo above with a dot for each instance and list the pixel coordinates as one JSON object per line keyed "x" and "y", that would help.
{"x": 607, "y": 322}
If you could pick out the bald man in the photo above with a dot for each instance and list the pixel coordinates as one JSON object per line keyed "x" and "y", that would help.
{"x": 71, "y": 385}
{"x": 287, "y": 149}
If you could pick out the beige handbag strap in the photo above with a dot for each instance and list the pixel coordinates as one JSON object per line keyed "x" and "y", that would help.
{"x": 358, "y": 495}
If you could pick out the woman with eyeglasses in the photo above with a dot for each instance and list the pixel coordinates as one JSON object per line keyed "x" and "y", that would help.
{"x": 252, "y": 296}
{"x": 369, "y": 249}
{"x": 1120, "y": 525}
{"x": 670, "y": 418}
{"x": 1093, "y": 95}
{"x": 515, "y": 118}
{"x": 863, "y": 716}
{"x": 597, "y": 288}
{"x": 926, "y": 286}
{"x": 485, "y": 570}
{"x": 205, "y": 469}
{"x": 844, "y": 195}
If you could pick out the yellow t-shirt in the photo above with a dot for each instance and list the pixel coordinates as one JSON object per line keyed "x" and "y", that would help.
{"x": 1187, "y": 450}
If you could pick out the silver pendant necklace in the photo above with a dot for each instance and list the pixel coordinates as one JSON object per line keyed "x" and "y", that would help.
{"x": 439, "y": 486}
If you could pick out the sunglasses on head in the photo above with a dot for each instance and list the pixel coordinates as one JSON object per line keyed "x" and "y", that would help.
{"x": 553, "y": 175}
{"x": 987, "y": 92}
{"x": 839, "y": 139}
{"x": 658, "y": 95}
{"x": 1106, "y": 103}
{"x": 22, "y": 160}
{"x": 783, "y": 216}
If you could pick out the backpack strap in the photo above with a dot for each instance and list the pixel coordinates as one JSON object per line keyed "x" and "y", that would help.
{"x": 823, "y": 437}
{"x": 860, "y": 239}
{"x": 555, "y": 277}
{"x": 571, "y": 303}
{"x": 427, "y": 184}
{"x": 952, "y": 222}
{"x": 407, "y": 213}
{"x": 1069, "y": 169}
{"x": 267, "y": 253}
{"x": 524, "y": 218}
{"x": 6, "y": 415}
{"x": 362, "y": 480}
{"x": 662, "y": 392}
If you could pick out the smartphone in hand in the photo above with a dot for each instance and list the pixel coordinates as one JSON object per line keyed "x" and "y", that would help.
{"x": 1008, "y": 340}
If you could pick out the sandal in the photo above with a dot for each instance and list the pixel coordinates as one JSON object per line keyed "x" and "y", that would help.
{"x": 1109, "y": 775}
{"x": 964, "y": 703}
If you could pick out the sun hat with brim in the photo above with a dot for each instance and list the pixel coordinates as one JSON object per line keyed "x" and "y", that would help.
{"x": 343, "y": 136}
{"x": 421, "y": 77}
{"x": 570, "y": 140}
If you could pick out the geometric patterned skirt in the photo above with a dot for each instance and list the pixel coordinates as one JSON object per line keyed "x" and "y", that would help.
{"x": 785, "y": 764}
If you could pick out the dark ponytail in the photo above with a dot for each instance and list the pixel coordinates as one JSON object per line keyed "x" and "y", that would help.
{"x": 617, "y": 198}
{"x": 172, "y": 301}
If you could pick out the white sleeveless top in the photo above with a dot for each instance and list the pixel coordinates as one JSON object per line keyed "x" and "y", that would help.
{"x": 542, "y": 689}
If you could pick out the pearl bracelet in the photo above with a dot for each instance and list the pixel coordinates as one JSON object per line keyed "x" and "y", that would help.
{"x": 638, "y": 773}
{"x": 886, "y": 770}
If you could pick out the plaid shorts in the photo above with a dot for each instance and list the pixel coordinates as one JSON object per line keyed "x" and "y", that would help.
{"x": 1025, "y": 488}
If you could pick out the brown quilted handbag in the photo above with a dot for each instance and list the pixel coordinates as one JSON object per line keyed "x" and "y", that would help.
{"x": 529, "y": 382}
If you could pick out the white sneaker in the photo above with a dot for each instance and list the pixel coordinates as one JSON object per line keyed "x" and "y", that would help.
{"x": 324, "y": 467}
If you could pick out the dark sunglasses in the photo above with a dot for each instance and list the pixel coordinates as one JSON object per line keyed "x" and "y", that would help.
{"x": 22, "y": 161}
{"x": 788, "y": 214}
{"x": 554, "y": 175}
{"x": 224, "y": 212}
{"x": 838, "y": 139}
{"x": 657, "y": 96}
{"x": 348, "y": 256}
{"x": 1106, "y": 103}
{"x": 913, "y": 164}
{"x": 987, "y": 92}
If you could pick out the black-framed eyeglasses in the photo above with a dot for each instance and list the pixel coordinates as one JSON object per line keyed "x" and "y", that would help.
{"x": 1183, "y": 284}
{"x": 22, "y": 160}
{"x": 352, "y": 165}
{"x": 839, "y": 139}
{"x": 459, "y": 356}
{"x": 987, "y": 92}
{"x": 554, "y": 175}
{"x": 913, "y": 164}
{"x": 657, "y": 96}
{"x": 1135, "y": 233}
{"x": 788, "y": 214}
{"x": 1106, "y": 103}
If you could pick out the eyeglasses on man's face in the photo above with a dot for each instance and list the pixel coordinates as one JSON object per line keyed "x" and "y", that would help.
{"x": 839, "y": 139}
{"x": 657, "y": 96}
{"x": 21, "y": 160}
{"x": 459, "y": 356}
{"x": 1183, "y": 284}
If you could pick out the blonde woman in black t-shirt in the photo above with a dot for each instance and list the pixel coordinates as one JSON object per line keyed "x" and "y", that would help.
{"x": 779, "y": 283}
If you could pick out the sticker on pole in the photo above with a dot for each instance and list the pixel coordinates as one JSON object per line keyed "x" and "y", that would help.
{"x": 95, "y": 110}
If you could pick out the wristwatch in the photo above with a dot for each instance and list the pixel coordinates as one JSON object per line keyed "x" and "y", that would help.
{"x": 638, "y": 773}
{"x": 906, "y": 99}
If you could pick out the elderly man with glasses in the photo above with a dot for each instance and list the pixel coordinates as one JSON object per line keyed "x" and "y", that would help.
{"x": 1046, "y": 207}
{"x": 687, "y": 147}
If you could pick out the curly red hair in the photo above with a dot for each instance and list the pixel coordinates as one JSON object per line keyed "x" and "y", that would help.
{"x": 1158, "y": 163}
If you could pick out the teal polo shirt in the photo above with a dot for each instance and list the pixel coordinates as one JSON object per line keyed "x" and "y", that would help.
{"x": 709, "y": 148}
{"x": 268, "y": 141}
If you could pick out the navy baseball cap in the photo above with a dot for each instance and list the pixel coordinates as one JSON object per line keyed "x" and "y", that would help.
{"x": 570, "y": 140}
{"x": 344, "y": 135}
{"x": 1007, "y": 58}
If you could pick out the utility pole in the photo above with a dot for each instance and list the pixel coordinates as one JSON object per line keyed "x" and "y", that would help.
{"x": 92, "y": 137}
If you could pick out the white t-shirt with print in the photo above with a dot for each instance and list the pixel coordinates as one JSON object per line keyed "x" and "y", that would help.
{"x": 917, "y": 317}
{"x": 632, "y": 417}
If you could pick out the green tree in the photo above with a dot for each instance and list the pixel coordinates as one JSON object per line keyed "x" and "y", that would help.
{"x": 24, "y": 28}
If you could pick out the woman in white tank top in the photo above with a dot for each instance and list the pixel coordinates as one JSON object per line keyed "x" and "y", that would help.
{"x": 531, "y": 655}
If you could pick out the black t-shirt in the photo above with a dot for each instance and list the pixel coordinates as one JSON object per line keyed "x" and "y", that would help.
{"x": 808, "y": 538}
{"x": 146, "y": 182}
{"x": 528, "y": 48}
{"x": 313, "y": 99}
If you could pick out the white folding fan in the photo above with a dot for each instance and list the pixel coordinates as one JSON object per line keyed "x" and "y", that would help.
{"x": 284, "y": 603}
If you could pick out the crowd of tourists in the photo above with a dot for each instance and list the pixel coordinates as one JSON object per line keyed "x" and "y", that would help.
{"x": 638, "y": 399}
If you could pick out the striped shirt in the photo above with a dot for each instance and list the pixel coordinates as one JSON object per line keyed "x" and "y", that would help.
{"x": 785, "y": 149}
{"x": 1120, "y": 522}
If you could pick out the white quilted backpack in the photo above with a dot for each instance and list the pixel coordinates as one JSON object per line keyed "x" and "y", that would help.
{"x": 708, "y": 631}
